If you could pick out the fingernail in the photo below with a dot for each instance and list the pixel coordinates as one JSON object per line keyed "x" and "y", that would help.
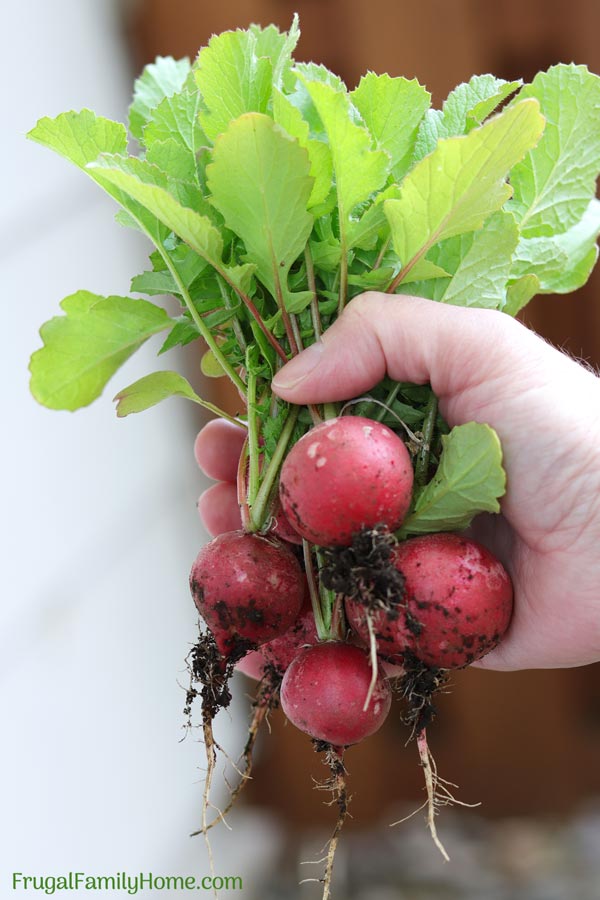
{"x": 299, "y": 367}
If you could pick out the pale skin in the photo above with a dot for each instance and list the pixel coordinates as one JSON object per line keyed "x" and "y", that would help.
{"x": 484, "y": 367}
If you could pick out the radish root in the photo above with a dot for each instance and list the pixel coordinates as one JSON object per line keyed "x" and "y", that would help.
{"x": 337, "y": 785}
{"x": 266, "y": 699}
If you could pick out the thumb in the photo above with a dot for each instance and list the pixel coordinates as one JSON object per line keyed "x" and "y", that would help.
{"x": 411, "y": 339}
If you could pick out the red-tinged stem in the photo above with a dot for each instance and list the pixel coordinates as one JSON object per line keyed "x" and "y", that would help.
{"x": 258, "y": 319}
{"x": 382, "y": 253}
{"x": 285, "y": 317}
{"x": 242, "y": 486}
{"x": 338, "y": 620}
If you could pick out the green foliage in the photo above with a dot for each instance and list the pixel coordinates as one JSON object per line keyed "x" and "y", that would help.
{"x": 86, "y": 346}
{"x": 468, "y": 480}
{"x": 272, "y": 195}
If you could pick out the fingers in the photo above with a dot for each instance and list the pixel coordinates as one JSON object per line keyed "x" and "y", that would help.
{"x": 218, "y": 508}
{"x": 217, "y": 449}
{"x": 411, "y": 339}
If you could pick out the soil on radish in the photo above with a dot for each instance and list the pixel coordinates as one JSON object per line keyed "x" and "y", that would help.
{"x": 365, "y": 571}
{"x": 209, "y": 668}
{"x": 418, "y": 686}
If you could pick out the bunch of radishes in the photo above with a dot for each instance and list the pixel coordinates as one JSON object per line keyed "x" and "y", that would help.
{"x": 328, "y": 620}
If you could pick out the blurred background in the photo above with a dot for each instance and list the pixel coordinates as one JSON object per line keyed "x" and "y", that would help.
{"x": 101, "y": 527}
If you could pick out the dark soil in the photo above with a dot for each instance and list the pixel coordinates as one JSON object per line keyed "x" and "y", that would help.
{"x": 365, "y": 570}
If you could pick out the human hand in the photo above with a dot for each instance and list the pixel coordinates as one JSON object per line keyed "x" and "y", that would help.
{"x": 484, "y": 367}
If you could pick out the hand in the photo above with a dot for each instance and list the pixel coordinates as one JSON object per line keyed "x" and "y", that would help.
{"x": 486, "y": 367}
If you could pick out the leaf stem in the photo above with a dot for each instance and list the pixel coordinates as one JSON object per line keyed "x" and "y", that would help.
{"x": 422, "y": 464}
{"x": 250, "y": 306}
{"x": 242, "y": 486}
{"x": 220, "y": 413}
{"x": 261, "y": 502}
{"x": 285, "y": 316}
{"x": 235, "y": 324}
{"x": 343, "y": 272}
{"x": 313, "y": 589}
{"x": 253, "y": 448}
{"x": 387, "y": 402}
{"x": 202, "y": 328}
{"x": 312, "y": 286}
{"x": 382, "y": 252}
{"x": 327, "y": 602}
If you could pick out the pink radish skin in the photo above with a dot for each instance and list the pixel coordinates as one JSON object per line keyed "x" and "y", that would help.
{"x": 456, "y": 590}
{"x": 324, "y": 690}
{"x": 248, "y": 589}
{"x": 344, "y": 475}
{"x": 283, "y": 528}
{"x": 282, "y": 650}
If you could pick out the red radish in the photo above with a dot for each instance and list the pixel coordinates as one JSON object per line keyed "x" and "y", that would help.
{"x": 248, "y": 589}
{"x": 282, "y": 650}
{"x": 344, "y": 475}
{"x": 456, "y": 607}
{"x": 324, "y": 690}
{"x": 282, "y": 528}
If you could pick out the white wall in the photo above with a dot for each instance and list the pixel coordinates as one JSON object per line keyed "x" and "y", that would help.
{"x": 100, "y": 526}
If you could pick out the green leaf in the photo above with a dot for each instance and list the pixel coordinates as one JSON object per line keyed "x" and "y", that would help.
{"x": 176, "y": 119}
{"x": 480, "y": 277}
{"x": 277, "y": 46}
{"x": 154, "y": 284}
{"x": 376, "y": 279}
{"x": 392, "y": 109}
{"x": 152, "y": 389}
{"x": 173, "y": 159}
{"x": 466, "y": 106}
{"x": 160, "y": 79}
{"x": 147, "y": 185}
{"x": 326, "y": 254}
{"x": 364, "y": 232}
{"x": 233, "y": 79}
{"x": 519, "y": 293}
{"x": 577, "y": 276}
{"x": 183, "y": 332}
{"x": 85, "y": 347}
{"x": 210, "y": 365}
{"x": 561, "y": 262}
{"x": 469, "y": 480}
{"x": 321, "y": 167}
{"x": 302, "y": 100}
{"x": 80, "y": 136}
{"x": 259, "y": 181}
{"x": 359, "y": 170}
{"x": 458, "y": 186}
{"x": 555, "y": 182}
{"x": 425, "y": 270}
